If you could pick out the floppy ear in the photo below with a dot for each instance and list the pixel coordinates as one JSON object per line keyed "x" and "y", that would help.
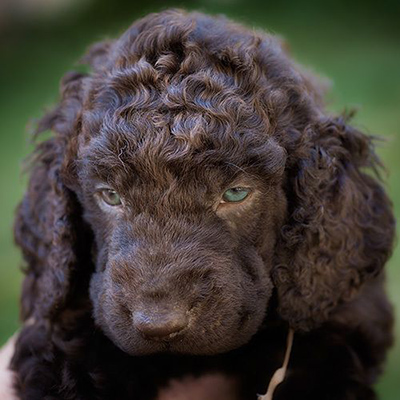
{"x": 340, "y": 228}
{"x": 46, "y": 218}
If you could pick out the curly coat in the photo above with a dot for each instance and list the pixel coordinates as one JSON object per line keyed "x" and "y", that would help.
{"x": 173, "y": 282}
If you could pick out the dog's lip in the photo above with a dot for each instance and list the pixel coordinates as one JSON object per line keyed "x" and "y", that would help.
{"x": 173, "y": 337}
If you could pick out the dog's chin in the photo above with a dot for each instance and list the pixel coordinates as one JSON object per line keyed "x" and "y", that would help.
{"x": 135, "y": 345}
{"x": 194, "y": 349}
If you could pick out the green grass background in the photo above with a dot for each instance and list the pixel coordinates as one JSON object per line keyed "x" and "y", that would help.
{"x": 356, "y": 45}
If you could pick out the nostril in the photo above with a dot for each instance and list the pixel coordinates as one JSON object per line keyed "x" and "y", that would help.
{"x": 159, "y": 326}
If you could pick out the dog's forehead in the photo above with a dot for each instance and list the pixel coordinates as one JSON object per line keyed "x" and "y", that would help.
{"x": 154, "y": 143}
{"x": 143, "y": 93}
{"x": 141, "y": 116}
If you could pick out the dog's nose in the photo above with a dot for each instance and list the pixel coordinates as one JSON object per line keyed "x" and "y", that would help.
{"x": 159, "y": 325}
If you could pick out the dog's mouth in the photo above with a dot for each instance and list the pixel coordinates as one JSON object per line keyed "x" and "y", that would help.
{"x": 172, "y": 345}
{"x": 162, "y": 324}
{"x": 194, "y": 336}
{"x": 178, "y": 345}
{"x": 173, "y": 342}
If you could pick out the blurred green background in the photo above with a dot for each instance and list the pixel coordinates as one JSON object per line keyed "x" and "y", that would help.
{"x": 356, "y": 45}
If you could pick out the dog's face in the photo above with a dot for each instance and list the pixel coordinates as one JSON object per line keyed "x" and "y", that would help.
{"x": 210, "y": 175}
{"x": 185, "y": 228}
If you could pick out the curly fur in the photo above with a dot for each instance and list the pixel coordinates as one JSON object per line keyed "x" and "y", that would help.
{"x": 180, "y": 108}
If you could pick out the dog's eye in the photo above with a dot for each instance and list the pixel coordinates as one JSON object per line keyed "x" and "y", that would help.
{"x": 110, "y": 196}
{"x": 235, "y": 195}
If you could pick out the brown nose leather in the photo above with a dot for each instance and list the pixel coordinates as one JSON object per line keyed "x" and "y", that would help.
{"x": 159, "y": 325}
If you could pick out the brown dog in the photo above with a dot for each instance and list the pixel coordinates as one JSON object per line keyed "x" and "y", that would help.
{"x": 195, "y": 201}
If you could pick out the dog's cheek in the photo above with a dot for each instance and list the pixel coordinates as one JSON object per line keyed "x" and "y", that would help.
{"x": 257, "y": 290}
{"x": 96, "y": 296}
{"x": 258, "y": 298}
{"x": 109, "y": 312}
{"x": 243, "y": 303}
{"x": 263, "y": 289}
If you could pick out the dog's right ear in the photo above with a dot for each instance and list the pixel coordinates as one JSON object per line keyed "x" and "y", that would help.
{"x": 45, "y": 225}
{"x": 340, "y": 229}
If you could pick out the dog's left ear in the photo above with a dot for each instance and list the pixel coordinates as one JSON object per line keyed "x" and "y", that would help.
{"x": 46, "y": 221}
{"x": 340, "y": 228}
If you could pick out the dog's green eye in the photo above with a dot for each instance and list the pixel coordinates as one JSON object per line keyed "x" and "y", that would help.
{"x": 235, "y": 195}
{"x": 111, "y": 197}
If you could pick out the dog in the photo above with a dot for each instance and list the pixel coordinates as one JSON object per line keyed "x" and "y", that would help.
{"x": 195, "y": 207}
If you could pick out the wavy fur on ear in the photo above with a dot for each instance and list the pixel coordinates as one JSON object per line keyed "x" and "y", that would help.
{"x": 55, "y": 244}
{"x": 341, "y": 226}
{"x": 44, "y": 226}
{"x": 44, "y": 222}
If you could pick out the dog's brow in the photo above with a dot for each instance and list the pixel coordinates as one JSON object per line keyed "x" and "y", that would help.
{"x": 236, "y": 166}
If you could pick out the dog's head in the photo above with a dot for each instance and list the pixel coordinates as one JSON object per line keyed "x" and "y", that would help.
{"x": 192, "y": 172}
